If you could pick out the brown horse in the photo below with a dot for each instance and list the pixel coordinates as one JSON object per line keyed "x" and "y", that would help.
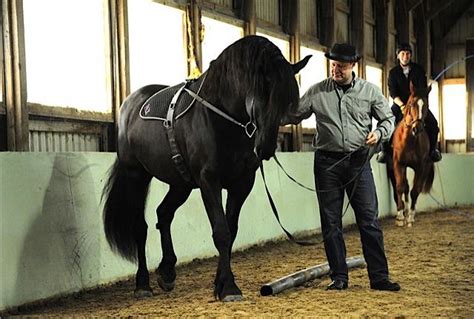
{"x": 411, "y": 149}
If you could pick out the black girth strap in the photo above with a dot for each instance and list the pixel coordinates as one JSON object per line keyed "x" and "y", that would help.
{"x": 176, "y": 156}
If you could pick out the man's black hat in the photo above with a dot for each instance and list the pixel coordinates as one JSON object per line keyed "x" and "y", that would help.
{"x": 404, "y": 47}
{"x": 343, "y": 52}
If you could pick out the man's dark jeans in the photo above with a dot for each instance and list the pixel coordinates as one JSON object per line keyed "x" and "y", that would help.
{"x": 329, "y": 184}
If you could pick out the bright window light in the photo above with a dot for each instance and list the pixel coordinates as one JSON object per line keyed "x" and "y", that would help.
{"x": 65, "y": 53}
{"x": 217, "y": 36}
{"x": 374, "y": 75}
{"x": 454, "y": 111}
{"x": 315, "y": 71}
{"x": 283, "y": 45}
{"x": 156, "y": 41}
{"x": 433, "y": 99}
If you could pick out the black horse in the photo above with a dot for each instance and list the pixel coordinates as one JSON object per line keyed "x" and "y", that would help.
{"x": 253, "y": 84}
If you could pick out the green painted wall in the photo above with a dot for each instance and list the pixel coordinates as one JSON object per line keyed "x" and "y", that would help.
{"x": 51, "y": 222}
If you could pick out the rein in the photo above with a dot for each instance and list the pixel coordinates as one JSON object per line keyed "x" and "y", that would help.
{"x": 250, "y": 128}
{"x": 409, "y": 125}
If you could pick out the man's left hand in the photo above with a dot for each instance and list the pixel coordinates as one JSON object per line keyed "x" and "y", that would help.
{"x": 372, "y": 138}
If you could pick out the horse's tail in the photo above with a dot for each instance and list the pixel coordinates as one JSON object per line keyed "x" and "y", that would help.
{"x": 125, "y": 192}
{"x": 429, "y": 179}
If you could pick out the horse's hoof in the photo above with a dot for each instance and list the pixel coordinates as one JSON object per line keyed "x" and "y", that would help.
{"x": 409, "y": 224}
{"x": 400, "y": 223}
{"x": 231, "y": 298}
{"x": 166, "y": 286}
{"x": 143, "y": 293}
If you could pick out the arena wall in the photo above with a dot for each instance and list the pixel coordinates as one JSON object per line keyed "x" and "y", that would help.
{"x": 52, "y": 240}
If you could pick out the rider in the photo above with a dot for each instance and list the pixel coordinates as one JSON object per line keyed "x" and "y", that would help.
{"x": 399, "y": 80}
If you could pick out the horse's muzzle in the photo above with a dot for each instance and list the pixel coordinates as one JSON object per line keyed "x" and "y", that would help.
{"x": 264, "y": 153}
{"x": 417, "y": 129}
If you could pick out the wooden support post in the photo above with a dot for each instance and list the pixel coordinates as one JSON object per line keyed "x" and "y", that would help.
{"x": 470, "y": 95}
{"x": 381, "y": 26}
{"x": 249, "y": 15}
{"x": 119, "y": 63}
{"x": 357, "y": 32}
{"x": 439, "y": 54}
{"x": 422, "y": 34}
{"x": 291, "y": 26}
{"x": 15, "y": 75}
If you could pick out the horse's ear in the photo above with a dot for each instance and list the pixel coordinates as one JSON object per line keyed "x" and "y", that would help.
{"x": 301, "y": 64}
{"x": 412, "y": 88}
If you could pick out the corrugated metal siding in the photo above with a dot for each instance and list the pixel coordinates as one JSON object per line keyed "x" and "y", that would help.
{"x": 369, "y": 39}
{"x": 41, "y": 141}
{"x": 269, "y": 11}
{"x": 369, "y": 8}
{"x": 453, "y": 54}
{"x": 308, "y": 17}
{"x": 391, "y": 16}
{"x": 456, "y": 43}
{"x": 392, "y": 49}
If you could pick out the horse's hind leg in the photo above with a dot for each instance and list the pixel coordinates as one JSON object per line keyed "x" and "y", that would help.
{"x": 165, "y": 213}
{"x": 139, "y": 180}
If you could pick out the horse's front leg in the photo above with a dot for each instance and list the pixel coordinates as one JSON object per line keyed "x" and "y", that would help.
{"x": 415, "y": 191}
{"x": 165, "y": 213}
{"x": 401, "y": 185}
{"x": 225, "y": 287}
{"x": 236, "y": 196}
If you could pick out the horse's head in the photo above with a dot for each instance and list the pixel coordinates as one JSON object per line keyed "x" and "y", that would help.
{"x": 272, "y": 94}
{"x": 416, "y": 109}
{"x": 253, "y": 70}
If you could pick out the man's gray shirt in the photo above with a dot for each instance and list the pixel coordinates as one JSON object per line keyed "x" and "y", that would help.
{"x": 343, "y": 120}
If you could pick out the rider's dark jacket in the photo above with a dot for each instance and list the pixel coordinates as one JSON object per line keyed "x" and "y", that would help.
{"x": 399, "y": 84}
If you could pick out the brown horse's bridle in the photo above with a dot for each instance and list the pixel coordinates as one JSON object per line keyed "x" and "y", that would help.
{"x": 411, "y": 125}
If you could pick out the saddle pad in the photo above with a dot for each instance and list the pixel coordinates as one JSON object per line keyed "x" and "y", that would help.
{"x": 156, "y": 107}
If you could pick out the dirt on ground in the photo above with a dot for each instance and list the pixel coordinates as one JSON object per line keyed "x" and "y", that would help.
{"x": 432, "y": 261}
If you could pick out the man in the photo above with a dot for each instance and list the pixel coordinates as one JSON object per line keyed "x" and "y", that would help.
{"x": 344, "y": 105}
{"x": 399, "y": 79}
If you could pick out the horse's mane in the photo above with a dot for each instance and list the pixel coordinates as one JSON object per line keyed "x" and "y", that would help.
{"x": 255, "y": 64}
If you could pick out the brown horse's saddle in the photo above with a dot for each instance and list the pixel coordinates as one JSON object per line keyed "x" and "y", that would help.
{"x": 157, "y": 106}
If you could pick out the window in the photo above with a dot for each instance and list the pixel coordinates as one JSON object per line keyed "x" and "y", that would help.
{"x": 374, "y": 75}
{"x": 454, "y": 109}
{"x": 315, "y": 71}
{"x": 66, "y": 57}
{"x": 217, "y": 36}
{"x": 433, "y": 100}
{"x": 151, "y": 25}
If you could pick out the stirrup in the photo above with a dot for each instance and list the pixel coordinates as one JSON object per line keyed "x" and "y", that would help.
{"x": 381, "y": 157}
